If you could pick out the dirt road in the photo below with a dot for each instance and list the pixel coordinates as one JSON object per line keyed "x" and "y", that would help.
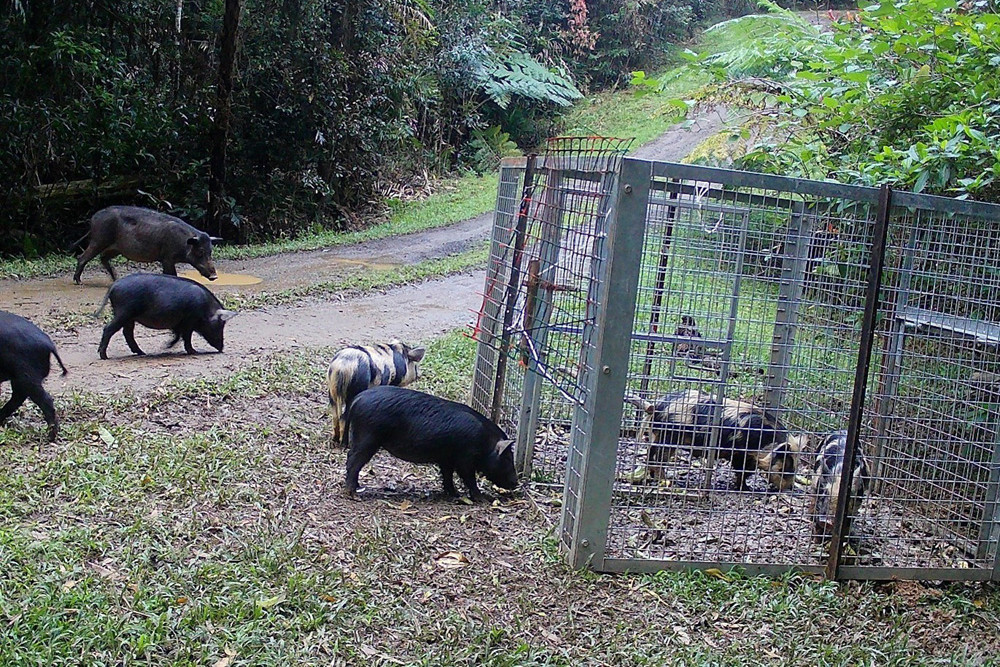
{"x": 413, "y": 313}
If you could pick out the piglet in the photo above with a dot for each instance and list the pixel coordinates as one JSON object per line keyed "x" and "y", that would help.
{"x": 421, "y": 428}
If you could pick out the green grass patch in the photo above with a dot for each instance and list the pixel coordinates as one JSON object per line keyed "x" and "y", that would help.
{"x": 201, "y": 522}
{"x": 630, "y": 113}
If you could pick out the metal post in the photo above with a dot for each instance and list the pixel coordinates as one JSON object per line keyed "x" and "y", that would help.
{"x": 510, "y": 299}
{"x": 597, "y": 426}
{"x": 989, "y": 531}
{"x": 841, "y": 523}
{"x": 793, "y": 273}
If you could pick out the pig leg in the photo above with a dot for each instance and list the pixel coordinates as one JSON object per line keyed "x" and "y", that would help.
{"x": 17, "y": 396}
{"x": 739, "y": 464}
{"x": 129, "y": 332}
{"x": 43, "y": 400}
{"x": 90, "y": 252}
{"x": 448, "y": 479}
{"x": 467, "y": 473}
{"x": 169, "y": 268}
{"x": 188, "y": 347}
{"x": 361, "y": 452}
{"x": 113, "y": 327}
{"x": 106, "y": 258}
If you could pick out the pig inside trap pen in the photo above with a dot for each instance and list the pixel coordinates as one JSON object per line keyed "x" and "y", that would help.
{"x": 713, "y": 368}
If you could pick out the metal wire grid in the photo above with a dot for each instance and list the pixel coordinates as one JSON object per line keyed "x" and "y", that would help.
{"x": 934, "y": 416}
{"x": 545, "y": 257}
{"x": 489, "y": 322}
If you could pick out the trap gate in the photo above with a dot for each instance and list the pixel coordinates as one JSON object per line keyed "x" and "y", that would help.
{"x": 614, "y": 281}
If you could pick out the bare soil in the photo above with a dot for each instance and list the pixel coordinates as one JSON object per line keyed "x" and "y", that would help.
{"x": 413, "y": 313}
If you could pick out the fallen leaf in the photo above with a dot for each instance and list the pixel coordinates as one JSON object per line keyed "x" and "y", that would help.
{"x": 451, "y": 559}
{"x": 717, "y": 573}
{"x": 69, "y": 584}
{"x": 267, "y": 603}
{"x": 105, "y": 435}
{"x": 328, "y": 598}
{"x": 182, "y": 600}
{"x": 226, "y": 660}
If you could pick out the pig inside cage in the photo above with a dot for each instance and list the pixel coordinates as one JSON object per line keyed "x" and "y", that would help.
{"x": 715, "y": 368}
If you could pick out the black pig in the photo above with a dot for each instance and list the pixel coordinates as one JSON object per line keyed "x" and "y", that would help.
{"x": 159, "y": 301}
{"x": 143, "y": 235}
{"x": 421, "y": 428}
{"x": 826, "y": 485}
{"x": 24, "y": 361}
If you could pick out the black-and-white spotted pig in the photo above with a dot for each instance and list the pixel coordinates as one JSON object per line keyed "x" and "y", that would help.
{"x": 826, "y": 485}
{"x": 750, "y": 437}
{"x": 360, "y": 367}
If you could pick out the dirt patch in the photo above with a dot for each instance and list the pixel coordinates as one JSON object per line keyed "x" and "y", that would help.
{"x": 414, "y": 313}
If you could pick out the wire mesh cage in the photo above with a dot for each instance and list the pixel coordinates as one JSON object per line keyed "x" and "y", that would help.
{"x": 704, "y": 367}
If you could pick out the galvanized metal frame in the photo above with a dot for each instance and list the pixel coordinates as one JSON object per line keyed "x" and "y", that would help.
{"x": 606, "y": 336}
{"x": 609, "y": 357}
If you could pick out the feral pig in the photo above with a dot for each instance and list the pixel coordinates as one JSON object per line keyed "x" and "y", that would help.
{"x": 826, "y": 485}
{"x": 24, "y": 361}
{"x": 421, "y": 428}
{"x": 159, "y": 301}
{"x": 685, "y": 418}
{"x": 360, "y": 367}
{"x": 143, "y": 235}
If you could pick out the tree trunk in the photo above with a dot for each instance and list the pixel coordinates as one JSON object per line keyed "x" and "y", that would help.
{"x": 221, "y": 218}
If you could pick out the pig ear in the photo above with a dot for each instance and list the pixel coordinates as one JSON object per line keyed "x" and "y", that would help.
{"x": 416, "y": 354}
{"x": 503, "y": 446}
{"x": 226, "y": 315}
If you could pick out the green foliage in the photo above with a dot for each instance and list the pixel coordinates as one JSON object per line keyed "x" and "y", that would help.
{"x": 907, "y": 94}
{"x": 488, "y": 147}
{"x": 761, "y": 44}
{"x": 517, "y": 74}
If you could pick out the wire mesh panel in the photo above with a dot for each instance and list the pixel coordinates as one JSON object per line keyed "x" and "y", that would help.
{"x": 489, "y": 323}
{"x": 934, "y": 419}
{"x": 539, "y": 297}
{"x": 743, "y": 354}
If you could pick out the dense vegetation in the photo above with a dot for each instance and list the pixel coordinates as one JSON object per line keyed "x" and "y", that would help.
{"x": 106, "y": 102}
{"x": 903, "y": 93}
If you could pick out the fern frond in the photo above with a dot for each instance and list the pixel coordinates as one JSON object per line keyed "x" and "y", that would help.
{"x": 768, "y": 43}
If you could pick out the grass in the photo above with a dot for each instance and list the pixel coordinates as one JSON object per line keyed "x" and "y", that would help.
{"x": 202, "y": 523}
{"x": 628, "y": 113}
